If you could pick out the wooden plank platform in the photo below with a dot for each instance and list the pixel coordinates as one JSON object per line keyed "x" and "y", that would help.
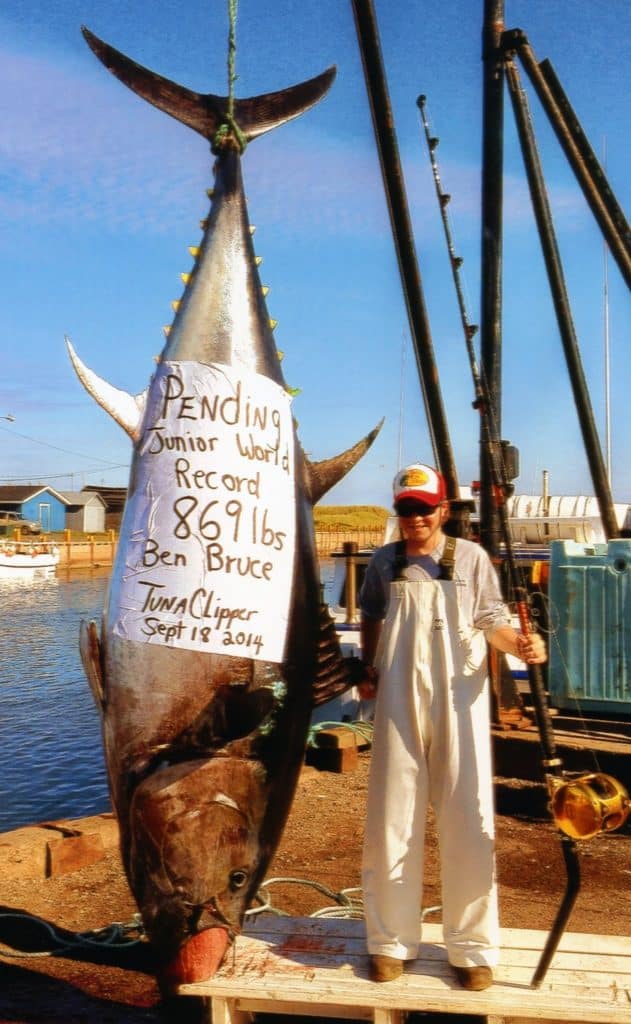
{"x": 319, "y": 967}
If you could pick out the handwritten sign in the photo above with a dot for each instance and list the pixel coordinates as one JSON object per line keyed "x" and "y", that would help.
{"x": 208, "y": 535}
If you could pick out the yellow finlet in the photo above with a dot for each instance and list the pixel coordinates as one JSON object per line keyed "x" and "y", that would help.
{"x": 273, "y": 323}
{"x": 166, "y": 330}
{"x": 175, "y": 305}
{"x": 185, "y": 278}
{"x": 264, "y": 290}
{"x": 194, "y": 251}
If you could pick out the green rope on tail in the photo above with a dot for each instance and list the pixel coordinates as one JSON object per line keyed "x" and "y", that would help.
{"x": 229, "y": 132}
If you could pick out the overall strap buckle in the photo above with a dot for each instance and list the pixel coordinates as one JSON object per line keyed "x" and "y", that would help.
{"x": 448, "y": 561}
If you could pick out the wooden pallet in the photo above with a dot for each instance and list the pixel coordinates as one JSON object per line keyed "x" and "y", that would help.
{"x": 319, "y": 967}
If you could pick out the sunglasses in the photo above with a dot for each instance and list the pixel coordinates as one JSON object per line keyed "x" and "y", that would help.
{"x": 408, "y": 509}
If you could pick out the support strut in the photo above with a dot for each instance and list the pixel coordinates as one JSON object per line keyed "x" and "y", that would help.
{"x": 543, "y": 216}
{"x": 383, "y": 123}
{"x": 586, "y": 169}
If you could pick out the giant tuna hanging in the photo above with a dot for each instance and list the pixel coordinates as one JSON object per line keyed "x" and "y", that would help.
{"x": 210, "y": 658}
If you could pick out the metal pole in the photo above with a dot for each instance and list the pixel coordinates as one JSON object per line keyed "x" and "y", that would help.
{"x": 491, "y": 255}
{"x": 383, "y": 123}
{"x": 581, "y": 158}
{"x": 596, "y": 172}
{"x": 552, "y": 259}
{"x": 606, "y": 344}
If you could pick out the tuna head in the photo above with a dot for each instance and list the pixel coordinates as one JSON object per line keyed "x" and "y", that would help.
{"x": 211, "y": 656}
{"x": 195, "y": 864}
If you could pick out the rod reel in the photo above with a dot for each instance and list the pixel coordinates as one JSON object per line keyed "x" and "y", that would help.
{"x": 584, "y": 806}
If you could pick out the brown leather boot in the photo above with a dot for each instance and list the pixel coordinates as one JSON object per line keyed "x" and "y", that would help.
{"x": 474, "y": 979}
{"x": 385, "y": 968}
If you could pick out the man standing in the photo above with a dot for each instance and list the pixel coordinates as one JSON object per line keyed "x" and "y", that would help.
{"x": 429, "y": 605}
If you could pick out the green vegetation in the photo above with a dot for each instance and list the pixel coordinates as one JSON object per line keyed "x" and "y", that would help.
{"x": 350, "y": 517}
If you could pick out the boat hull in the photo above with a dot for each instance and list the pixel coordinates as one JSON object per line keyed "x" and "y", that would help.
{"x": 19, "y": 559}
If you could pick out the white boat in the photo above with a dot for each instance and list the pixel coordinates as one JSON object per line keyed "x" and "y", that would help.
{"x": 26, "y": 558}
{"x": 536, "y": 519}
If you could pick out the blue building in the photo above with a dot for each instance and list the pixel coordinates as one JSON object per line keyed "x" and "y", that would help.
{"x": 37, "y": 503}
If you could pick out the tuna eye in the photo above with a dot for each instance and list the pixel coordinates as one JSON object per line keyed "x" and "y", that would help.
{"x": 238, "y": 879}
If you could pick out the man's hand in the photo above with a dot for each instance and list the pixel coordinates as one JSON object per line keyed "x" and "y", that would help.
{"x": 531, "y": 648}
{"x": 368, "y": 686}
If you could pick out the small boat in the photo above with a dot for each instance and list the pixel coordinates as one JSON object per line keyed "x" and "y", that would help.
{"x": 25, "y": 558}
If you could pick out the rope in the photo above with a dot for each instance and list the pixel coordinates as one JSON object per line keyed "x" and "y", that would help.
{"x": 347, "y": 903}
{"x": 114, "y": 936}
{"x": 228, "y": 132}
{"x": 363, "y": 730}
{"x": 232, "y": 53}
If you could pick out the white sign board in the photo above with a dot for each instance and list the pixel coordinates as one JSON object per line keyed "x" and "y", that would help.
{"x": 208, "y": 536}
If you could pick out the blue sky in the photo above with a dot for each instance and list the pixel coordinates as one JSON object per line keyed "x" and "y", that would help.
{"x": 102, "y": 195}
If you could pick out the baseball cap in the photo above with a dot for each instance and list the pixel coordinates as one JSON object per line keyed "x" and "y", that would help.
{"x": 419, "y": 483}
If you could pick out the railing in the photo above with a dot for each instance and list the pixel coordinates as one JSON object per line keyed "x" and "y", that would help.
{"x": 78, "y": 554}
{"x": 88, "y": 553}
{"x": 328, "y": 541}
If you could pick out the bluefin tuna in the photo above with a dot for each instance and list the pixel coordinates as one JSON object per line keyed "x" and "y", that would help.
{"x": 213, "y": 648}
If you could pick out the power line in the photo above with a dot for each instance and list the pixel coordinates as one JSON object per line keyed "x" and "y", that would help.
{"x": 46, "y": 444}
{"x": 48, "y": 475}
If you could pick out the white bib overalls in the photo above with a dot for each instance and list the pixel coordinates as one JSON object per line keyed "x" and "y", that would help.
{"x": 431, "y": 743}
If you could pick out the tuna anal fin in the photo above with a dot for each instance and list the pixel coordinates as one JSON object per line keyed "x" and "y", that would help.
{"x": 127, "y": 410}
{"x": 90, "y": 650}
{"x": 324, "y": 475}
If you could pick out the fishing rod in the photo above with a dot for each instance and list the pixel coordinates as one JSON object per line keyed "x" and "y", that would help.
{"x": 585, "y": 805}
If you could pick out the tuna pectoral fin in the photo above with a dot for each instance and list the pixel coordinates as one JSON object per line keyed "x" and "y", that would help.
{"x": 233, "y": 713}
{"x": 335, "y": 673}
{"x": 324, "y": 475}
{"x": 90, "y": 650}
{"x": 126, "y": 409}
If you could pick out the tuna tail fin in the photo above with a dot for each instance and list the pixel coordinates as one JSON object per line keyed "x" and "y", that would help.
{"x": 324, "y": 475}
{"x": 128, "y": 410}
{"x": 205, "y": 112}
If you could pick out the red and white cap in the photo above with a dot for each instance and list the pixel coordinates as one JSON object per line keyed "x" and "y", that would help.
{"x": 419, "y": 483}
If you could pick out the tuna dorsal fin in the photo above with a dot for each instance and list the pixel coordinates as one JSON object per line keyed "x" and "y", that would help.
{"x": 128, "y": 410}
{"x": 204, "y": 112}
{"x": 324, "y": 475}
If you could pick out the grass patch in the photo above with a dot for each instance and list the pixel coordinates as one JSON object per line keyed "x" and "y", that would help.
{"x": 350, "y": 517}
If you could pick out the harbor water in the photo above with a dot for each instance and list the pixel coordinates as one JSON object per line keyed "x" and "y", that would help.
{"x": 51, "y": 757}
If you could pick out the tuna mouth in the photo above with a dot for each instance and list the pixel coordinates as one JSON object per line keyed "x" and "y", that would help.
{"x": 198, "y": 958}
